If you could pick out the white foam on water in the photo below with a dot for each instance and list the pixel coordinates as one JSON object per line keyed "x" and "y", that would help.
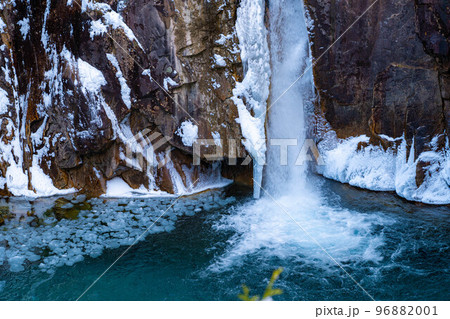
{"x": 300, "y": 228}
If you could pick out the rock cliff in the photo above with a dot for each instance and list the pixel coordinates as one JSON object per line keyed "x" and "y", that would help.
{"x": 81, "y": 78}
{"x": 88, "y": 87}
{"x": 388, "y": 74}
{"x": 382, "y": 70}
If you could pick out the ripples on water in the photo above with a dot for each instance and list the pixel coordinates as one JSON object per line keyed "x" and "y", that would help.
{"x": 209, "y": 244}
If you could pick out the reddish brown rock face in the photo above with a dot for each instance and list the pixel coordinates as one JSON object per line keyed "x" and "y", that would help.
{"x": 388, "y": 73}
{"x": 76, "y": 132}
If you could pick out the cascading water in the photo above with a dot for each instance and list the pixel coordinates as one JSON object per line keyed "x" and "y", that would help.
{"x": 293, "y": 221}
{"x": 292, "y": 87}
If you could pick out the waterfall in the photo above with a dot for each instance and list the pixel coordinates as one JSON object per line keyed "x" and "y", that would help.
{"x": 294, "y": 216}
{"x": 287, "y": 59}
{"x": 291, "y": 90}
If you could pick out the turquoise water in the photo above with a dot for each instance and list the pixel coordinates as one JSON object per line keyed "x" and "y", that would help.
{"x": 395, "y": 249}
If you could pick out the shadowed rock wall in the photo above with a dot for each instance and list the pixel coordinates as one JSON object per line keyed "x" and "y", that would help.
{"x": 388, "y": 74}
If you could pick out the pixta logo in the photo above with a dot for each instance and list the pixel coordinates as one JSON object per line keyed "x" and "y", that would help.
{"x": 287, "y": 149}
{"x": 150, "y": 149}
{"x": 147, "y": 150}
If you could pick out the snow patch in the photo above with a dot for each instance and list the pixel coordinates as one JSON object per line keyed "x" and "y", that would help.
{"x": 124, "y": 88}
{"x": 217, "y": 139}
{"x": 393, "y": 169}
{"x": 2, "y": 26}
{"x": 118, "y": 188}
{"x": 24, "y": 27}
{"x": 121, "y": 5}
{"x": 169, "y": 81}
{"x": 371, "y": 167}
{"x": 188, "y": 133}
{"x": 111, "y": 18}
{"x": 97, "y": 28}
{"x": 215, "y": 84}
{"x": 223, "y": 38}
{"x": 4, "y": 101}
{"x": 43, "y": 184}
{"x": 115, "y": 20}
{"x": 91, "y": 78}
{"x": 435, "y": 188}
{"x": 219, "y": 60}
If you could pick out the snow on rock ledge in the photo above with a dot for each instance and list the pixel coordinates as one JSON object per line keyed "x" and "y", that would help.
{"x": 394, "y": 169}
{"x": 188, "y": 133}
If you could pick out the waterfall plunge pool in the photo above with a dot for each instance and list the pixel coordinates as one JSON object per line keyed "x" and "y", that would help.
{"x": 206, "y": 246}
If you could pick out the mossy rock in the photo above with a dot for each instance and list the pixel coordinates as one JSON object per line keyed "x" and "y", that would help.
{"x": 65, "y": 209}
{"x": 5, "y": 214}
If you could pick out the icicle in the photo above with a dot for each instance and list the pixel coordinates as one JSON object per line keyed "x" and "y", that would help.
{"x": 254, "y": 89}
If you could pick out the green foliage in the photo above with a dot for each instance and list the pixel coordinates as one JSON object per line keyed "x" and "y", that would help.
{"x": 245, "y": 296}
{"x": 268, "y": 293}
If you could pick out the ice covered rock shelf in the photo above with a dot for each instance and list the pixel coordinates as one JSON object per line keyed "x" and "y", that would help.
{"x": 392, "y": 169}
